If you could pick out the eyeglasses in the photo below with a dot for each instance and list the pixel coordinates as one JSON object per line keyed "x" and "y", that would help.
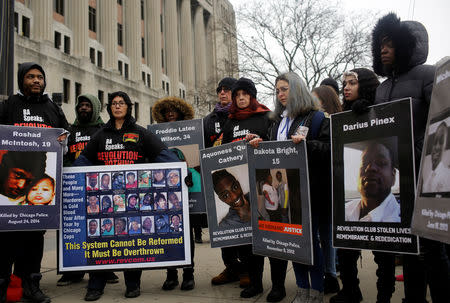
{"x": 282, "y": 89}
{"x": 223, "y": 88}
{"x": 119, "y": 104}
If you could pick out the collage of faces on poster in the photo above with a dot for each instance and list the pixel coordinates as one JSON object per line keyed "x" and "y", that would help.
{"x": 133, "y": 202}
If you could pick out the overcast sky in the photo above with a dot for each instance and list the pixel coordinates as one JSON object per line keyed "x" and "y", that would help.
{"x": 434, "y": 14}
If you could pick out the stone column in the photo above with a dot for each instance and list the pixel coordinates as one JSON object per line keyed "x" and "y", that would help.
{"x": 187, "y": 51}
{"x": 133, "y": 37}
{"x": 171, "y": 39}
{"x": 78, "y": 20}
{"x": 200, "y": 53}
{"x": 42, "y": 27}
{"x": 107, "y": 33}
{"x": 153, "y": 40}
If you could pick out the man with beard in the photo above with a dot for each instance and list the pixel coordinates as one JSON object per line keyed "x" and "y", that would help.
{"x": 29, "y": 107}
{"x": 376, "y": 177}
{"x": 438, "y": 180}
{"x": 93, "y": 228}
{"x": 87, "y": 122}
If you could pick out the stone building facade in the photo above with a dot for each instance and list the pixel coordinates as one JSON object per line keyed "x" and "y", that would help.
{"x": 147, "y": 48}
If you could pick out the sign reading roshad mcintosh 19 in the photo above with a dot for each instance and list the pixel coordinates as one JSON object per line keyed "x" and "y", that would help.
{"x": 124, "y": 216}
{"x": 225, "y": 179}
{"x": 373, "y": 178}
{"x": 185, "y": 139}
{"x": 30, "y": 178}
{"x": 280, "y": 201}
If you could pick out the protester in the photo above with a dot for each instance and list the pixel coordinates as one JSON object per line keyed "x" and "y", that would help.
{"x": 330, "y": 104}
{"x": 26, "y": 247}
{"x": 399, "y": 50}
{"x": 247, "y": 115}
{"x": 149, "y": 149}
{"x": 171, "y": 109}
{"x": 332, "y": 84}
{"x": 297, "y": 118}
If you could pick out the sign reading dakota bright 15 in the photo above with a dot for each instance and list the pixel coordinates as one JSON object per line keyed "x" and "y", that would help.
{"x": 127, "y": 216}
{"x": 30, "y": 176}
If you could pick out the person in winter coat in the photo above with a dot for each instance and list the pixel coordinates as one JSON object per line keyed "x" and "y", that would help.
{"x": 108, "y": 147}
{"x": 399, "y": 51}
{"x": 29, "y": 107}
{"x": 359, "y": 86}
{"x": 247, "y": 116}
{"x": 213, "y": 124}
{"x": 171, "y": 109}
{"x": 296, "y": 117}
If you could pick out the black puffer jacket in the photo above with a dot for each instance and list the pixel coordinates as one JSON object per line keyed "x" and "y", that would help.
{"x": 212, "y": 125}
{"x": 410, "y": 77}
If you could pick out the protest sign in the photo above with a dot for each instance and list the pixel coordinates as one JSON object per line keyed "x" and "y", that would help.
{"x": 30, "y": 178}
{"x": 431, "y": 217}
{"x": 124, "y": 216}
{"x": 225, "y": 179}
{"x": 280, "y": 202}
{"x": 373, "y": 178}
{"x": 185, "y": 138}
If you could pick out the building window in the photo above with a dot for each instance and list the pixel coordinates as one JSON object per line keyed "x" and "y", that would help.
{"x": 67, "y": 44}
{"x": 167, "y": 87}
{"x": 92, "y": 19}
{"x": 119, "y": 2}
{"x": 142, "y": 9}
{"x": 162, "y": 58}
{"x": 136, "y": 110}
{"x": 92, "y": 54}
{"x": 119, "y": 34}
{"x": 99, "y": 59}
{"x": 179, "y": 92}
{"x": 163, "y": 84}
{"x": 143, "y": 77}
{"x": 143, "y": 47}
{"x": 101, "y": 97}
{"x": 66, "y": 90}
{"x": 119, "y": 66}
{"x": 26, "y": 26}
{"x": 16, "y": 22}
{"x": 57, "y": 40}
{"x": 77, "y": 90}
{"x": 184, "y": 94}
{"x": 58, "y": 6}
{"x": 126, "y": 70}
{"x": 149, "y": 80}
{"x": 161, "y": 22}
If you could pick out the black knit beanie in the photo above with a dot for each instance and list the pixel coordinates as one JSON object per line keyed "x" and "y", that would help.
{"x": 368, "y": 83}
{"x": 244, "y": 84}
{"x": 227, "y": 82}
{"x": 331, "y": 82}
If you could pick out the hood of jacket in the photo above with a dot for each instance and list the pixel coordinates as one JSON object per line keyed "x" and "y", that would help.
{"x": 96, "y": 108}
{"x": 160, "y": 107}
{"x": 24, "y": 68}
{"x": 409, "y": 39}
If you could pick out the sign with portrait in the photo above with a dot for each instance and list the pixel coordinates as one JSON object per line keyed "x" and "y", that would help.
{"x": 431, "y": 217}
{"x": 124, "y": 216}
{"x": 225, "y": 179}
{"x": 30, "y": 178}
{"x": 280, "y": 202}
{"x": 373, "y": 178}
{"x": 185, "y": 139}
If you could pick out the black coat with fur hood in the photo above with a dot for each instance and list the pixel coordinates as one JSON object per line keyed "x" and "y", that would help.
{"x": 185, "y": 110}
{"x": 410, "y": 77}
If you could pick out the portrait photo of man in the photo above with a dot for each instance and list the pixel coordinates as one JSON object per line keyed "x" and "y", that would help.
{"x": 105, "y": 181}
{"x": 437, "y": 178}
{"x": 376, "y": 177}
{"x": 147, "y": 225}
{"x": 18, "y": 170}
{"x": 92, "y": 181}
{"x": 93, "y": 228}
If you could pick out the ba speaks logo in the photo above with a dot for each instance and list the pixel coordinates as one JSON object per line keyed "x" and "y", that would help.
{"x": 131, "y": 137}
{"x": 28, "y": 118}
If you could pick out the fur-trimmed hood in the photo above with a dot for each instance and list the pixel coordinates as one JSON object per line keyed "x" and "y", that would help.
{"x": 160, "y": 107}
{"x": 96, "y": 108}
{"x": 409, "y": 38}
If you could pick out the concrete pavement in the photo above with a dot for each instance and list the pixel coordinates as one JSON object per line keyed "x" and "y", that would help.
{"x": 208, "y": 263}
